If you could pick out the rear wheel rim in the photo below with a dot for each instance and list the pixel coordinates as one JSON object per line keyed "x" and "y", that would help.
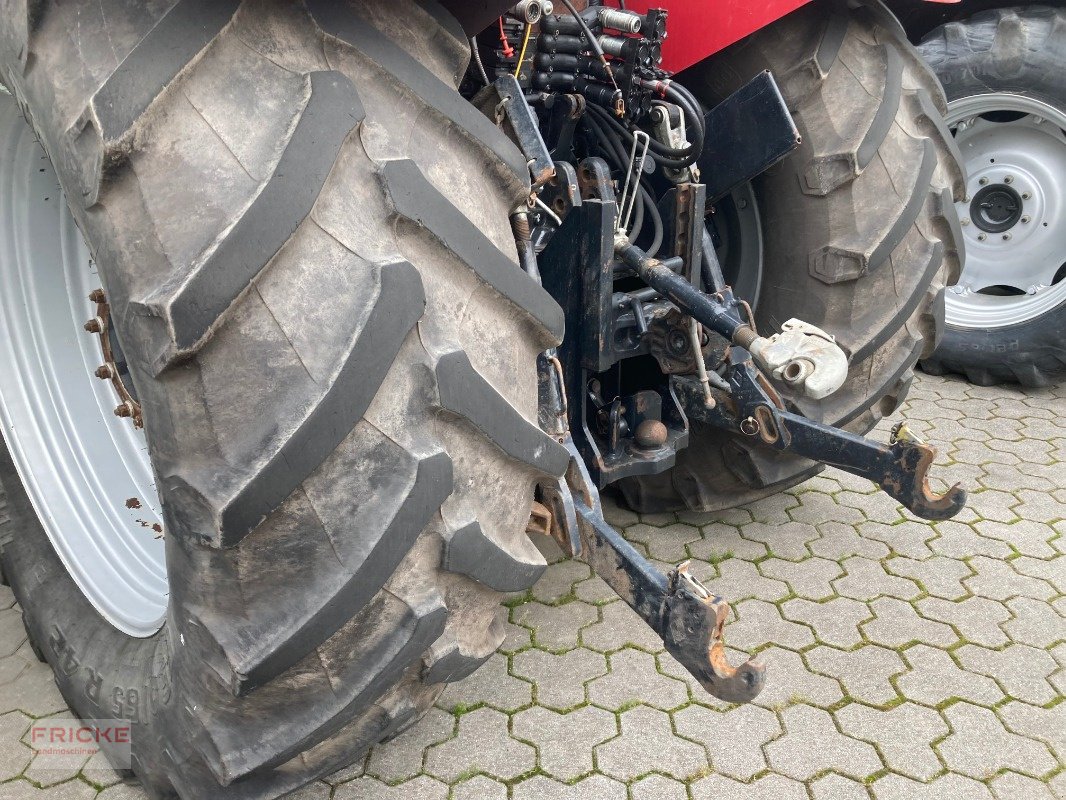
{"x": 86, "y": 471}
{"x": 1014, "y": 217}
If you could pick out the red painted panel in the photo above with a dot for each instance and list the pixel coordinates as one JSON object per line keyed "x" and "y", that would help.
{"x": 698, "y": 28}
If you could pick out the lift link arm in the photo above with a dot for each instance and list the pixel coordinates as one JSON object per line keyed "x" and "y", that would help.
{"x": 900, "y": 468}
{"x": 687, "y": 617}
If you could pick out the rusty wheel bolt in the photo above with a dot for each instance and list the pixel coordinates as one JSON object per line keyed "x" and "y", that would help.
{"x": 93, "y": 325}
{"x": 97, "y": 295}
{"x": 105, "y": 373}
{"x": 123, "y": 410}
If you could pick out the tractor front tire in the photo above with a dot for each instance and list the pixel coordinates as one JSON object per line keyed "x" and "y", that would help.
{"x": 860, "y": 231}
{"x": 302, "y": 231}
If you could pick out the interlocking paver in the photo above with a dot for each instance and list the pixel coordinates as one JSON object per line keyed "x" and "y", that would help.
{"x": 1012, "y": 786}
{"x": 738, "y": 580}
{"x": 934, "y": 678}
{"x": 997, "y": 580}
{"x": 979, "y": 745}
{"x": 1026, "y": 536}
{"x": 565, "y": 742}
{"x": 839, "y": 541}
{"x": 401, "y": 758}
{"x": 768, "y": 787}
{"x": 904, "y": 735}
{"x": 811, "y": 578}
{"x": 479, "y": 787}
{"x": 908, "y": 539}
{"x": 867, "y": 580}
{"x": 734, "y": 739}
{"x": 555, "y": 627}
{"x": 977, "y": 619}
{"x": 619, "y": 626}
{"x": 657, "y": 787}
{"x": 812, "y": 744}
{"x": 558, "y": 580}
{"x": 595, "y": 787}
{"x": 482, "y": 744}
{"x": 759, "y": 623}
{"x": 864, "y": 672}
{"x": 1052, "y": 570}
{"x": 366, "y": 788}
{"x": 720, "y": 540}
{"x": 492, "y": 685}
{"x": 793, "y": 682}
{"x": 837, "y": 787}
{"x": 817, "y": 507}
{"x": 835, "y": 622}
{"x": 666, "y": 543}
{"x": 635, "y": 678}
{"x": 785, "y": 541}
{"x": 559, "y": 679}
{"x": 957, "y": 540}
{"x": 1046, "y": 724}
{"x": 938, "y": 575}
{"x": 896, "y": 623}
{"x": 71, "y": 790}
{"x": 15, "y": 755}
{"x": 12, "y": 634}
{"x": 647, "y": 744}
{"x": 33, "y": 692}
{"x": 946, "y": 787}
{"x": 1021, "y": 670}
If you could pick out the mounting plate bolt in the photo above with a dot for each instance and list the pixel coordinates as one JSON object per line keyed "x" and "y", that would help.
{"x": 105, "y": 372}
{"x": 97, "y": 295}
{"x": 124, "y": 410}
{"x": 95, "y": 325}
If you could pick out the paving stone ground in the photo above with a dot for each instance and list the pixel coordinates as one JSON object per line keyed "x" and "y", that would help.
{"x": 906, "y": 660}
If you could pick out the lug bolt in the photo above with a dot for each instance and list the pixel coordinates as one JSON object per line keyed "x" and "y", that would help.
{"x": 1026, "y": 195}
{"x": 95, "y": 325}
{"x": 981, "y": 237}
{"x": 124, "y": 410}
{"x": 1026, "y": 219}
{"x": 1009, "y": 179}
{"x": 983, "y": 181}
{"x": 965, "y": 221}
{"x": 104, "y": 373}
{"x": 97, "y": 295}
{"x": 1006, "y": 237}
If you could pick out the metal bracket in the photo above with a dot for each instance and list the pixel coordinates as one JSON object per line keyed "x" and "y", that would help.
{"x": 680, "y": 609}
{"x": 510, "y": 105}
{"x": 900, "y": 468}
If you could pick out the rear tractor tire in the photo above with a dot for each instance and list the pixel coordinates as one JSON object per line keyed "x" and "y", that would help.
{"x": 1004, "y": 72}
{"x": 301, "y": 231}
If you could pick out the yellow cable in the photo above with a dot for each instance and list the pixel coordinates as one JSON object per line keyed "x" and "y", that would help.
{"x": 522, "y": 53}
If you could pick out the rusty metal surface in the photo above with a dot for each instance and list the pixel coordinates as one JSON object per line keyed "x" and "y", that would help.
{"x": 686, "y": 616}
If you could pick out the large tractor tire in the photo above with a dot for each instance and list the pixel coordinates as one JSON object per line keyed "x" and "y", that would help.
{"x": 1004, "y": 73}
{"x": 301, "y": 231}
{"x": 859, "y": 230}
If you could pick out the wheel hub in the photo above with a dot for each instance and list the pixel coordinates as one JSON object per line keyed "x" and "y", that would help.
{"x": 996, "y": 208}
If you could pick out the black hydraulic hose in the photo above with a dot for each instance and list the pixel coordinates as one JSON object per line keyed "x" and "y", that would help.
{"x": 656, "y": 220}
{"x": 663, "y": 155}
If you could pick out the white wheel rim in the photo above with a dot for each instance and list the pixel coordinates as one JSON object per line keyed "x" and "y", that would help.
{"x": 1026, "y": 156}
{"x": 80, "y": 463}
